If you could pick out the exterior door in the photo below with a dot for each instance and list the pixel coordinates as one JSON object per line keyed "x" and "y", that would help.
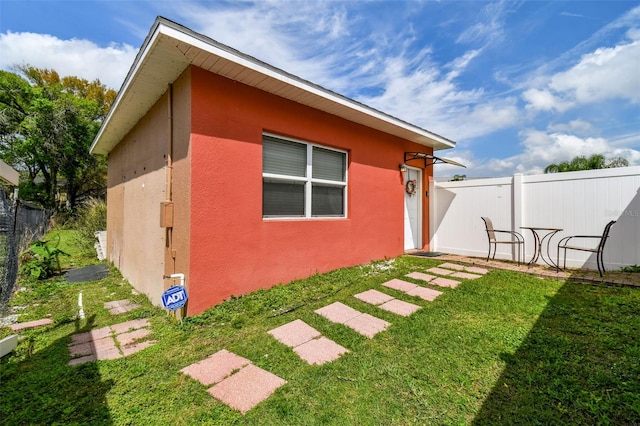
{"x": 413, "y": 209}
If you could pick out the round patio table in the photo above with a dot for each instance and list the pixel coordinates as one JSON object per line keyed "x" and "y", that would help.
{"x": 538, "y": 253}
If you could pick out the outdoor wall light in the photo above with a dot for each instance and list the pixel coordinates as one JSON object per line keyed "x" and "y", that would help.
{"x": 402, "y": 167}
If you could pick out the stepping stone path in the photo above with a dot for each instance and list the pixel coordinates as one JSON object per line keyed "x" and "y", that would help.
{"x": 365, "y": 324}
{"x": 241, "y": 385}
{"x": 451, "y": 270}
{"x": 308, "y": 343}
{"x": 115, "y": 341}
{"x": 237, "y": 382}
{"x": 386, "y": 302}
{"x": 120, "y": 306}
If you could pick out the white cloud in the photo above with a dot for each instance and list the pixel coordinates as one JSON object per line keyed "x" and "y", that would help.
{"x": 489, "y": 27}
{"x": 544, "y": 100}
{"x": 579, "y": 127}
{"x": 73, "y": 57}
{"x": 543, "y": 148}
{"x": 604, "y": 74}
{"x": 300, "y": 40}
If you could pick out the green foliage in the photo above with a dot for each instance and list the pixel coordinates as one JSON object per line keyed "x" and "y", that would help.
{"x": 596, "y": 161}
{"x": 47, "y": 125}
{"x": 631, "y": 268}
{"x": 41, "y": 260}
{"x": 91, "y": 217}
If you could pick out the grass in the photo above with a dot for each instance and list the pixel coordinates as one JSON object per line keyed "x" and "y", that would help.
{"x": 507, "y": 348}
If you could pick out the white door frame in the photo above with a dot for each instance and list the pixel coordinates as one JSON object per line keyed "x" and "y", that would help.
{"x": 415, "y": 235}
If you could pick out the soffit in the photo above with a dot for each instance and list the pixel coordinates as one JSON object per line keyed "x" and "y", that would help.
{"x": 170, "y": 49}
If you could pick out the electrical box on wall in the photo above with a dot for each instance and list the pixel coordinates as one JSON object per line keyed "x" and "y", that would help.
{"x": 166, "y": 214}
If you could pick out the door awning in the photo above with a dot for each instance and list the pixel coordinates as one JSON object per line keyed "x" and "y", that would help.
{"x": 428, "y": 159}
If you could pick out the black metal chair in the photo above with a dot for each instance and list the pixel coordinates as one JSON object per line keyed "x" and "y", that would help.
{"x": 567, "y": 244}
{"x": 493, "y": 241}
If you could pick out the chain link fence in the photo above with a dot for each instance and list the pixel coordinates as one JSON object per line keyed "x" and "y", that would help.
{"x": 20, "y": 224}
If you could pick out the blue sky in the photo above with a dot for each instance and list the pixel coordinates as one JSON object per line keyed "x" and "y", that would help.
{"x": 517, "y": 84}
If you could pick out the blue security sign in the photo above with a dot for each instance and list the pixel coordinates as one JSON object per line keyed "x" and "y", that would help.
{"x": 174, "y": 297}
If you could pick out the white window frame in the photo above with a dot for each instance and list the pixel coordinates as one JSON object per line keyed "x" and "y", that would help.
{"x": 309, "y": 181}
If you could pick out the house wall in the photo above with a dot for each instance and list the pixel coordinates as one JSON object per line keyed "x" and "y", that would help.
{"x": 233, "y": 249}
{"x": 137, "y": 184}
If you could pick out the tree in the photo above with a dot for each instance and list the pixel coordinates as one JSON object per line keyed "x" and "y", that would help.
{"x": 47, "y": 125}
{"x": 596, "y": 161}
{"x": 457, "y": 178}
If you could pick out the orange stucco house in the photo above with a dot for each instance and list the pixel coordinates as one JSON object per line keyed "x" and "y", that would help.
{"x": 241, "y": 176}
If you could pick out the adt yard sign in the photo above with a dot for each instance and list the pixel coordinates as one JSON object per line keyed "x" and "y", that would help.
{"x": 174, "y": 297}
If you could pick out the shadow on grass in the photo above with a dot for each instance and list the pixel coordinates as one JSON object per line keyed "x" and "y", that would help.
{"x": 580, "y": 364}
{"x": 43, "y": 389}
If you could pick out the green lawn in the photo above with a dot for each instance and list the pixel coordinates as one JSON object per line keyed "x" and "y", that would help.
{"x": 504, "y": 349}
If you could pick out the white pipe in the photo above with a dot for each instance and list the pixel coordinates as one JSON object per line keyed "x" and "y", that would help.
{"x": 181, "y": 276}
{"x": 81, "y": 313}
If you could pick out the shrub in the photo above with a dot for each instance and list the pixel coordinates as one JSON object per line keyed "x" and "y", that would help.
{"x": 41, "y": 261}
{"x": 631, "y": 268}
{"x": 91, "y": 217}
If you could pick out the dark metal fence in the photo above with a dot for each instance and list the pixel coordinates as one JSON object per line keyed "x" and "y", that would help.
{"x": 20, "y": 224}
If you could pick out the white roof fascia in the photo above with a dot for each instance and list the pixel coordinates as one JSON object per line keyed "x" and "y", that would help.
{"x": 163, "y": 27}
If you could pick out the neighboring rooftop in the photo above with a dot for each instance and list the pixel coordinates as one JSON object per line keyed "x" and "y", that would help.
{"x": 170, "y": 48}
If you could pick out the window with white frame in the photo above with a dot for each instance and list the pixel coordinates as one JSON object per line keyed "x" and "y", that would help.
{"x": 302, "y": 179}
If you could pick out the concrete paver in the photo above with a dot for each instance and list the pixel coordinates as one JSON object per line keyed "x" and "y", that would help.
{"x": 116, "y": 307}
{"x": 440, "y": 271}
{"x": 466, "y": 276}
{"x": 131, "y": 349}
{"x": 307, "y": 342}
{"x": 367, "y": 325}
{"x": 338, "y": 312}
{"x": 216, "y": 367}
{"x": 373, "y": 297}
{"x": 82, "y": 360}
{"x": 247, "y": 388}
{"x": 320, "y": 351}
{"x": 130, "y": 337}
{"x": 397, "y": 284}
{"x": 30, "y": 324}
{"x": 108, "y": 353}
{"x": 454, "y": 266}
{"x": 476, "y": 270}
{"x": 81, "y": 349}
{"x": 130, "y": 325}
{"x": 420, "y": 276}
{"x": 399, "y": 307}
{"x": 425, "y": 293}
{"x": 294, "y": 333}
{"x": 100, "y": 344}
{"x": 445, "y": 282}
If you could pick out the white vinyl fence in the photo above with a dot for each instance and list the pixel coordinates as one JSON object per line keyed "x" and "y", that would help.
{"x": 581, "y": 203}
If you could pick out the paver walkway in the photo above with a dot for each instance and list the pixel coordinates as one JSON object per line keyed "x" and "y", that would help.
{"x": 307, "y": 342}
{"x": 115, "y": 341}
{"x": 237, "y": 382}
{"x": 365, "y": 324}
{"x": 386, "y": 302}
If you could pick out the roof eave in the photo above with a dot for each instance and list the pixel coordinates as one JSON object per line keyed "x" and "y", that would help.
{"x": 170, "y": 48}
